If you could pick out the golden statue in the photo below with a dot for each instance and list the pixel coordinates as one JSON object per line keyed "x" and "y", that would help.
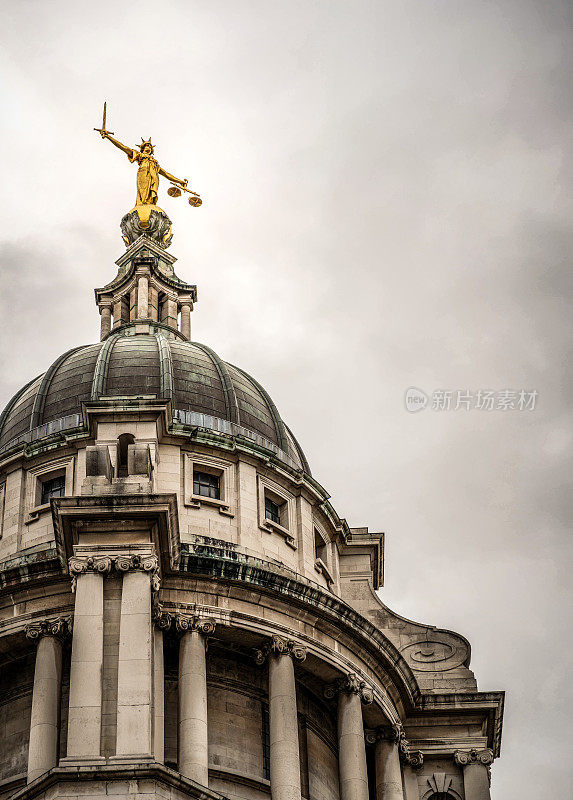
{"x": 148, "y": 174}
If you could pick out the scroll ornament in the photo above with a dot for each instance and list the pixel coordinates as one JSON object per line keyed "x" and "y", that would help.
{"x": 465, "y": 757}
{"x": 350, "y": 684}
{"x": 60, "y": 628}
{"x": 181, "y": 622}
{"x": 106, "y": 564}
{"x": 279, "y": 646}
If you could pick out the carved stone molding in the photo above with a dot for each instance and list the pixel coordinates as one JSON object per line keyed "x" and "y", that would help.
{"x": 278, "y": 646}
{"x": 350, "y": 684}
{"x": 180, "y": 622}
{"x": 465, "y": 757}
{"x": 395, "y": 734}
{"x": 414, "y": 759}
{"x": 121, "y": 564}
{"x": 60, "y": 627}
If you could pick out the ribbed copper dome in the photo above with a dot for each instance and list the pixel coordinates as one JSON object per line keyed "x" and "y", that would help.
{"x": 204, "y": 391}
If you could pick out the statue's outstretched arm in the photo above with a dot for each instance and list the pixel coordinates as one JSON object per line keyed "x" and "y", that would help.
{"x": 127, "y": 150}
{"x": 172, "y": 177}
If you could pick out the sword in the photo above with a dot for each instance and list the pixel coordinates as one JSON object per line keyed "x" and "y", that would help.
{"x": 102, "y": 130}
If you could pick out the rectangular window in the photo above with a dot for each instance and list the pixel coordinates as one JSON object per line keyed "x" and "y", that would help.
{"x": 54, "y": 487}
{"x": 272, "y": 511}
{"x": 206, "y": 485}
{"x": 266, "y": 744}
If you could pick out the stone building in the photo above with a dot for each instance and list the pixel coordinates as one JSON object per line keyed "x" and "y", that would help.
{"x": 183, "y": 614}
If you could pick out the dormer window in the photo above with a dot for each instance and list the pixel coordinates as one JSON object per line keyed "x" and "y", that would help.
{"x": 206, "y": 485}
{"x": 54, "y": 487}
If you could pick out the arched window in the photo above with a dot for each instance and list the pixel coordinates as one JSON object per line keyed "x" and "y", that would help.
{"x": 123, "y": 442}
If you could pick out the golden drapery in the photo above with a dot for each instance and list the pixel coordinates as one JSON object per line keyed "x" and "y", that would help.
{"x": 147, "y": 178}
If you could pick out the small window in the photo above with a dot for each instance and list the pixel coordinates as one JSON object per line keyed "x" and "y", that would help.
{"x": 123, "y": 442}
{"x": 266, "y": 736}
{"x": 272, "y": 511}
{"x": 206, "y": 485}
{"x": 54, "y": 487}
{"x": 320, "y": 547}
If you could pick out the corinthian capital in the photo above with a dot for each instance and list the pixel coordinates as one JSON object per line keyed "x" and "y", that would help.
{"x": 185, "y": 623}
{"x": 60, "y": 627}
{"x": 465, "y": 757}
{"x": 278, "y": 646}
{"x": 180, "y": 622}
{"x": 350, "y": 684}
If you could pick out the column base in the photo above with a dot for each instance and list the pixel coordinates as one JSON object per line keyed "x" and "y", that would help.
{"x": 82, "y": 761}
{"x": 135, "y": 758}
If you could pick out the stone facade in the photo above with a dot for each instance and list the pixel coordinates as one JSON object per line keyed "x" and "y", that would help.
{"x": 182, "y": 611}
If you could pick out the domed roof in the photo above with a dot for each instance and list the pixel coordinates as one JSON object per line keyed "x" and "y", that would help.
{"x": 204, "y": 391}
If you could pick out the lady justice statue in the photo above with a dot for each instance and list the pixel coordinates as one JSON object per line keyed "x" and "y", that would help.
{"x": 148, "y": 174}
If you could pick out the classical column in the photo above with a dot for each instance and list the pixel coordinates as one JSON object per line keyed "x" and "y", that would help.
{"x": 117, "y": 308}
{"x": 105, "y": 327}
{"x": 142, "y": 297}
{"x": 135, "y": 663}
{"x": 186, "y": 308}
{"x": 153, "y": 303}
{"x": 476, "y": 765}
{"x": 46, "y": 696}
{"x": 283, "y": 718}
{"x": 133, "y": 304}
{"x": 386, "y": 741}
{"x": 171, "y": 312}
{"x": 413, "y": 761}
{"x": 84, "y": 720}
{"x": 193, "y": 744}
{"x": 351, "y": 691}
{"x": 158, "y": 697}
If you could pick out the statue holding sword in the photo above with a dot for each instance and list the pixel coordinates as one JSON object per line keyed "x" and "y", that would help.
{"x": 148, "y": 171}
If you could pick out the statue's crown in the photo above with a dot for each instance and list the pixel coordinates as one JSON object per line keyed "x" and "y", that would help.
{"x": 144, "y": 142}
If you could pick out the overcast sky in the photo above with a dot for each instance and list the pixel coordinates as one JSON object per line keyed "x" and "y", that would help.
{"x": 387, "y": 203}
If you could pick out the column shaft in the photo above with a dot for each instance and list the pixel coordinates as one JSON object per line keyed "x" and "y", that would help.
{"x": 143, "y": 297}
{"x": 283, "y": 725}
{"x": 411, "y": 790}
{"x": 44, "y": 723}
{"x": 134, "y": 678}
{"x": 84, "y": 722}
{"x": 105, "y": 327}
{"x": 171, "y": 313}
{"x": 117, "y": 314}
{"x": 388, "y": 771}
{"x": 153, "y": 303}
{"x": 158, "y": 698}
{"x": 186, "y": 320}
{"x": 193, "y": 743}
{"x": 133, "y": 304}
{"x": 351, "y": 749}
{"x": 476, "y": 782}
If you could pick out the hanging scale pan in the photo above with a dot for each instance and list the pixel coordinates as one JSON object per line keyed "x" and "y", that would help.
{"x": 195, "y": 202}
{"x": 174, "y": 191}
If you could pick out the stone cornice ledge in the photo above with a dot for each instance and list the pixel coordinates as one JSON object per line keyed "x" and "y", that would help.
{"x": 255, "y": 571}
{"x": 119, "y": 772}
